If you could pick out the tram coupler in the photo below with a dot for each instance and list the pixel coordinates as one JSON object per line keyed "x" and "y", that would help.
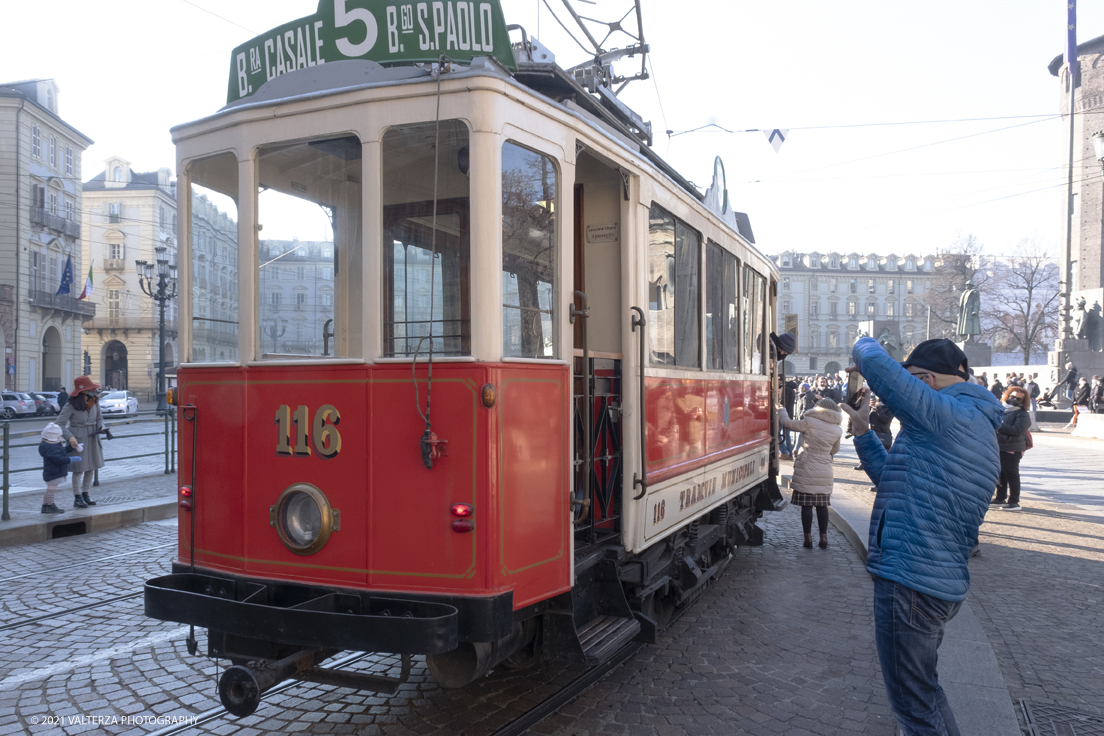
{"x": 241, "y": 686}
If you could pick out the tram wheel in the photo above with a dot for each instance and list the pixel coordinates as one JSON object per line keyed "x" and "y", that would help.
{"x": 529, "y": 653}
{"x": 660, "y": 609}
{"x": 239, "y": 691}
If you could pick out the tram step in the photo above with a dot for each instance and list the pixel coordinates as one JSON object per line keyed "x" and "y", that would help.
{"x": 602, "y": 636}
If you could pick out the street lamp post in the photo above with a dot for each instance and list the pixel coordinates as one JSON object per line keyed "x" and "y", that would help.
{"x": 158, "y": 282}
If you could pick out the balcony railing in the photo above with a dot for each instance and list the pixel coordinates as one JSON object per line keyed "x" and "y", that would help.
{"x": 48, "y": 300}
{"x": 45, "y": 218}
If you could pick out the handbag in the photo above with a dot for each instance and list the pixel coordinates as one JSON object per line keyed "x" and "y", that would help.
{"x": 1030, "y": 442}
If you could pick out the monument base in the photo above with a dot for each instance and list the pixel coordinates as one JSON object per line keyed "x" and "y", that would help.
{"x": 977, "y": 354}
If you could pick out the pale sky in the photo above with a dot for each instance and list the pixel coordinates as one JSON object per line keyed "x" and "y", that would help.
{"x": 128, "y": 70}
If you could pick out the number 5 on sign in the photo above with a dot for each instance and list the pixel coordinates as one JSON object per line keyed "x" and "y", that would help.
{"x": 320, "y": 436}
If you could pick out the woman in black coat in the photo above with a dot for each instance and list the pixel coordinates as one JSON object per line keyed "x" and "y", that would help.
{"x": 1012, "y": 442}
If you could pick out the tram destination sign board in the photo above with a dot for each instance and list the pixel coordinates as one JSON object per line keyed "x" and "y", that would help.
{"x": 385, "y": 32}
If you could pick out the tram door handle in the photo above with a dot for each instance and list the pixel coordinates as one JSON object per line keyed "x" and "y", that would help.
{"x": 641, "y": 480}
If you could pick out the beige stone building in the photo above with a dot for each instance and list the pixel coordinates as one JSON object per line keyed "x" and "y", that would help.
{"x": 40, "y": 231}
{"x": 127, "y": 215}
{"x": 834, "y": 294}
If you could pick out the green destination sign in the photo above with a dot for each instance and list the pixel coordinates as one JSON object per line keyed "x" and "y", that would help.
{"x": 377, "y": 30}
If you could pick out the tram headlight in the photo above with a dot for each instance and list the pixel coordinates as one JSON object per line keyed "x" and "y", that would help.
{"x": 304, "y": 519}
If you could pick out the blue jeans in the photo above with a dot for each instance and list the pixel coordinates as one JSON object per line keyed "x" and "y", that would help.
{"x": 908, "y": 629}
{"x": 785, "y": 446}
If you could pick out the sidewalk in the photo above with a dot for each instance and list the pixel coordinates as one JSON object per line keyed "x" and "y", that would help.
{"x": 968, "y": 668}
{"x": 119, "y": 502}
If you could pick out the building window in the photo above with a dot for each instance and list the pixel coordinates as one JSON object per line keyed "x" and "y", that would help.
{"x": 68, "y": 209}
{"x": 814, "y": 339}
{"x": 53, "y": 206}
{"x": 786, "y": 283}
{"x": 815, "y": 307}
{"x": 870, "y": 286}
{"x": 117, "y": 174}
{"x": 871, "y": 309}
{"x": 69, "y": 160}
{"x": 852, "y": 308}
{"x": 832, "y": 285}
{"x": 909, "y": 309}
{"x": 872, "y": 263}
{"x": 327, "y": 273}
{"x": 786, "y": 261}
{"x": 674, "y": 255}
{"x": 36, "y": 142}
{"x": 114, "y": 311}
{"x": 274, "y": 299}
{"x": 835, "y": 262}
{"x": 891, "y": 309}
{"x": 53, "y": 151}
{"x": 113, "y": 212}
{"x": 833, "y": 308}
{"x": 889, "y": 287}
{"x": 161, "y": 217}
{"x": 833, "y": 339}
{"x": 908, "y": 286}
{"x": 300, "y": 301}
{"x": 786, "y": 305}
{"x": 115, "y": 251}
{"x": 854, "y": 286}
{"x": 301, "y": 273}
{"x": 814, "y": 284}
{"x": 853, "y": 263}
{"x": 910, "y": 265}
{"x": 327, "y": 299}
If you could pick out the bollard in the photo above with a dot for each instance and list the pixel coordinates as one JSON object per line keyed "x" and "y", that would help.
{"x": 7, "y": 432}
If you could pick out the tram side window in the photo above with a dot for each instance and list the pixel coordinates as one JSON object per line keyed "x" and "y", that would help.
{"x": 427, "y": 262}
{"x": 213, "y": 259}
{"x": 528, "y": 253}
{"x": 722, "y": 330}
{"x": 754, "y": 294}
{"x": 674, "y": 253}
{"x": 308, "y": 207}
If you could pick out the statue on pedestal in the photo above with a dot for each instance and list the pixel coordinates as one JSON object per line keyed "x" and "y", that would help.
{"x": 889, "y": 344}
{"x": 969, "y": 313}
{"x": 1079, "y": 321}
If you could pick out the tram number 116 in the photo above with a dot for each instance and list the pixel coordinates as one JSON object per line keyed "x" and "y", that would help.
{"x": 320, "y": 436}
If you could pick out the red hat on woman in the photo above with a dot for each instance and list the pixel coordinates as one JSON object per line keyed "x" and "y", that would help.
{"x": 83, "y": 383}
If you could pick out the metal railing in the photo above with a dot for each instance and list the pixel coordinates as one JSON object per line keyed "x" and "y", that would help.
{"x": 46, "y": 218}
{"x": 169, "y": 453}
{"x": 49, "y": 300}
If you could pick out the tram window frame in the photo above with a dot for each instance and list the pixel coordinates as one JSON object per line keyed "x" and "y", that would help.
{"x": 409, "y": 220}
{"x": 325, "y": 171}
{"x": 753, "y": 294}
{"x": 514, "y": 261}
{"x": 684, "y": 248}
{"x": 721, "y": 308}
{"x": 213, "y": 183}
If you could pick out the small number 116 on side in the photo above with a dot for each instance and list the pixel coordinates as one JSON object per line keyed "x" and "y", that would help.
{"x": 320, "y": 436}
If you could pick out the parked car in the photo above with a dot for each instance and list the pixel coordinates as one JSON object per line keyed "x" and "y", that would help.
{"x": 50, "y": 400}
{"x": 16, "y": 406}
{"x": 119, "y": 402}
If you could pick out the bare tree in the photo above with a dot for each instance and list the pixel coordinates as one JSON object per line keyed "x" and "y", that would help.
{"x": 1022, "y": 309}
{"x": 960, "y": 263}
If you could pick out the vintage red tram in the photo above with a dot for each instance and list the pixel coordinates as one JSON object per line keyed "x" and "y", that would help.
{"x": 472, "y": 373}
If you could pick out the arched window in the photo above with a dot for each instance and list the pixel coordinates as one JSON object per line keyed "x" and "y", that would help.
{"x": 117, "y": 174}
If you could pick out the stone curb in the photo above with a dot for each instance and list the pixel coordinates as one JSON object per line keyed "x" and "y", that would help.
{"x": 85, "y": 522}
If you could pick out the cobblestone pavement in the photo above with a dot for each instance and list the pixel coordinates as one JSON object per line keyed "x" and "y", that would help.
{"x": 156, "y": 487}
{"x": 783, "y": 643}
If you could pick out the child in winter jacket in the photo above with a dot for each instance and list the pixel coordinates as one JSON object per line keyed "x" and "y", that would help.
{"x": 55, "y": 464}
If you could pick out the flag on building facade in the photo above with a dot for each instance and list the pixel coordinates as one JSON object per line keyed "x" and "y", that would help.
{"x": 1071, "y": 38}
{"x": 66, "y": 277}
{"x": 87, "y": 285}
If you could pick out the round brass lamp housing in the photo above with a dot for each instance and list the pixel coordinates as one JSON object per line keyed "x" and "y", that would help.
{"x": 304, "y": 518}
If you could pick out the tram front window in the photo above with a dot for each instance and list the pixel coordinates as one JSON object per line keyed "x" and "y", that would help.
{"x": 308, "y": 210}
{"x": 426, "y": 235}
{"x": 213, "y": 261}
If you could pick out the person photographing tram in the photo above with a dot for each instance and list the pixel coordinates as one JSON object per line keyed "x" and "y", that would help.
{"x": 934, "y": 487}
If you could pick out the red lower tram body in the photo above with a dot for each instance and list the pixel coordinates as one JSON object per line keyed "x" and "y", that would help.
{"x": 488, "y": 556}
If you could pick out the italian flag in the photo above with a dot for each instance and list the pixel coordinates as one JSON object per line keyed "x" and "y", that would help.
{"x": 87, "y": 285}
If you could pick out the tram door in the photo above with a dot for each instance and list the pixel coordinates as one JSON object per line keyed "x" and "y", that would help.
{"x": 597, "y": 351}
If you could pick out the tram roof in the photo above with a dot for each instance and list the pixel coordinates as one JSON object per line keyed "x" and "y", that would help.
{"x": 604, "y": 112}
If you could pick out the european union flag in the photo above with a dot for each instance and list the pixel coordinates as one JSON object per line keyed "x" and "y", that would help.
{"x": 66, "y": 277}
{"x": 1071, "y": 38}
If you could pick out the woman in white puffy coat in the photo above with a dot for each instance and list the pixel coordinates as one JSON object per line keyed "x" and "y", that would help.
{"x": 812, "y": 479}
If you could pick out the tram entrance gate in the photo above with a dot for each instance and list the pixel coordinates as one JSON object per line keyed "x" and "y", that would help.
{"x": 597, "y": 317}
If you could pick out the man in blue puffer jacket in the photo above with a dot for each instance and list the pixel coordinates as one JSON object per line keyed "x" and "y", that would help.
{"x": 934, "y": 487}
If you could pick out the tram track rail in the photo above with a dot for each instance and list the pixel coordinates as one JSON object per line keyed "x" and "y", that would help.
{"x": 84, "y": 565}
{"x": 77, "y": 609}
{"x": 519, "y": 725}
